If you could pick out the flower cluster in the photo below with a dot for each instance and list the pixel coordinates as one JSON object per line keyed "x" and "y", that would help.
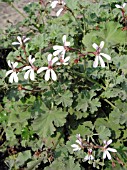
{"x": 98, "y": 55}
{"x": 82, "y": 144}
{"x": 21, "y": 41}
{"x": 31, "y": 68}
{"x": 59, "y": 2}
{"x": 59, "y": 59}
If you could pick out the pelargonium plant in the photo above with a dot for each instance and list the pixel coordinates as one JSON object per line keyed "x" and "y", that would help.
{"x": 65, "y": 88}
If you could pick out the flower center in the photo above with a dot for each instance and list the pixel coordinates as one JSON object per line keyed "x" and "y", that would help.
{"x": 50, "y": 64}
{"x": 61, "y": 60}
{"x": 98, "y": 51}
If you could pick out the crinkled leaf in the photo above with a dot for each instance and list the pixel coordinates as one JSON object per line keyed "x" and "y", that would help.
{"x": 44, "y": 124}
{"x": 65, "y": 99}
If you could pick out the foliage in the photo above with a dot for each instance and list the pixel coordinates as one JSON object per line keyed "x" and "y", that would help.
{"x": 41, "y": 114}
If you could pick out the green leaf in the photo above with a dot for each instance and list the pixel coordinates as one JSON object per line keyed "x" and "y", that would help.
{"x": 113, "y": 33}
{"x": 22, "y": 157}
{"x": 44, "y": 124}
{"x": 72, "y": 4}
{"x": 64, "y": 164}
{"x": 70, "y": 164}
{"x": 82, "y": 102}
{"x": 103, "y": 132}
{"x": 84, "y": 129}
{"x": 65, "y": 99}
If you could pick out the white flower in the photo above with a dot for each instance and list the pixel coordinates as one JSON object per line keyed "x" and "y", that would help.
{"x": 106, "y": 149}
{"x": 98, "y": 55}
{"x": 21, "y": 41}
{"x": 63, "y": 60}
{"x": 120, "y": 6}
{"x": 30, "y": 69}
{"x": 49, "y": 69}
{"x": 89, "y": 156}
{"x": 13, "y": 76}
{"x": 60, "y": 2}
{"x": 77, "y": 147}
{"x": 61, "y": 49}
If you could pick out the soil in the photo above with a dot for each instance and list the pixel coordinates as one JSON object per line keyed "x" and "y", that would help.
{"x": 8, "y": 15}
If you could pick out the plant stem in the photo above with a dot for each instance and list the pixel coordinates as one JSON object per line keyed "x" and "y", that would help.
{"x": 113, "y": 106}
{"x": 13, "y": 6}
{"x": 96, "y": 83}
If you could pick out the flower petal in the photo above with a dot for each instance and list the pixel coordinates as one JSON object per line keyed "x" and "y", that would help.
{"x": 54, "y": 3}
{"x": 49, "y": 57}
{"x": 101, "y": 44}
{"x": 15, "y": 77}
{"x": 30, "y": 58}
{"x": 95, "y": 46}
{"x": 124, "y": 4}
{"x": 15, "y": 43}
{"x": 9, "y": 63}
{"x": 59, "y": 12}
{"x": 8, "y": 72}
{"x": 106, "y": 56}
{"x": 47, "y": 75}
{"x": 111, "y": 149}
{"x": 58, "y": 47}
{"x": 91, "y": 157}
{"x": 26, "y": 39}
{"x": 64, "y": 39}
{"x": 67, "y": 44}
{"x": 101, "y": 62}
{"x": 32, "y": 75}
{"x": 118, "y": 6}
{"x": 67, "y": 59}
{"x": 15, "y": 64}
{"x": 58, "y": 63}
{"x": 90, "y": 150}
{"x": 105, "y": 142}
{"x": 86, "y": 158}
{"x": 108, "y": 155}
{"x": 41, "y": 69}
{"x": 79, "y": 142}
{"x": 95, "y": 63}
{"x": 57, "y": 52}
{"x": 26, "y": 68}
{"x": 19, "y": 39}
{"x": 76, "y": 147}
{"x": 109, "y": 141}
{"x": 54, "y": 60}
{"x": 26, "y": 75}
{"x": 104, "y": 154}
{"x": 53, "y": 75}
{"x": 11, "y": 78}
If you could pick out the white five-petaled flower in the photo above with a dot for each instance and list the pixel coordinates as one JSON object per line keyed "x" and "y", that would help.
{"x": 98, "y": 55}
{"x": 60, "y": 2}
{"x": 63, "y": 60}
{"x": 21, "y": 41}
{"x": 89, "y": 156}
{"x": 13, "y": 76}
{"x": 106, "y": 149}
{"x": 120, "y": 6}
{"x": 30, "y": 69}
{"x": 78, "y": 146}
{"x": 61, "y": 49}
{"x": 49, "y": 69}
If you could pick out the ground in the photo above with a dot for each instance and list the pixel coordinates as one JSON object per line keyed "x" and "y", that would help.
{"x": 8, "y": 15}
